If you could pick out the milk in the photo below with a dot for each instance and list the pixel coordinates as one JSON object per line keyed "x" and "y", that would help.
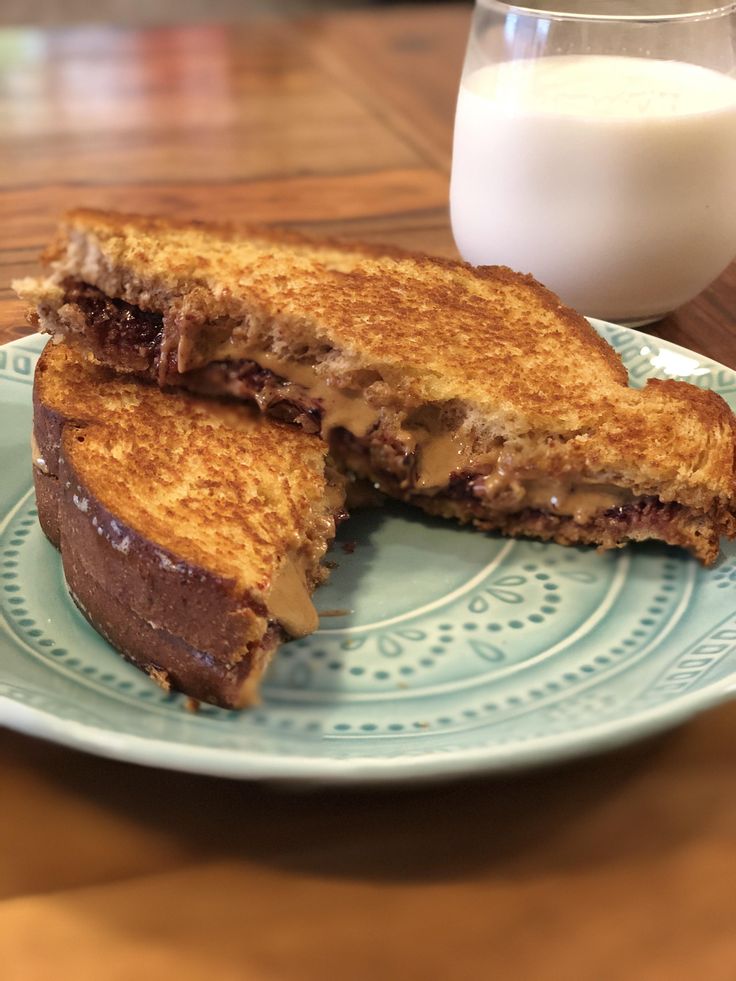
{"x": 611, "y": 179}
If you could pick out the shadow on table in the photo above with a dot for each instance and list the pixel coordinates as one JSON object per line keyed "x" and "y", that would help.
{"x": 587, "y": 814}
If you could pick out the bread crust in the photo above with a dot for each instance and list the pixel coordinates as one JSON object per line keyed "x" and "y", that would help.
{"x": 100, "y": 582}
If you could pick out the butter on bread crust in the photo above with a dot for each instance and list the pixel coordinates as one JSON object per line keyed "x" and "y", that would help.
{"x": 490, "y": 350}
{"x": 175, "y": 516}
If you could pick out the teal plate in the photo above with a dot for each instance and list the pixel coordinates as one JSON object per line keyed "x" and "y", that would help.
{"x": 460, "y": 652}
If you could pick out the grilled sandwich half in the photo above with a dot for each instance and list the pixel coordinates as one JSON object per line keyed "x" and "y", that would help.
{"x": 191, "y": 532}
{"x": 470, "y": 392}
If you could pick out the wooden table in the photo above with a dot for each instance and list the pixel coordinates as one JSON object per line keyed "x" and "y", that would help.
{"x": 618, "y": 867}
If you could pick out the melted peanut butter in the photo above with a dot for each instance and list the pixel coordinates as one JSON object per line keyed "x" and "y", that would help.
{"x": 250, "y": 693}
{"x": 440, "y": 455}
{"x": 571, "y": 496}
{"x": 289, "y": 600}
{"x": 340, "y": 407}
{"x": 579, "y": 500}
{"x": 38, "y": 461}
{"x": 438, "y": 452}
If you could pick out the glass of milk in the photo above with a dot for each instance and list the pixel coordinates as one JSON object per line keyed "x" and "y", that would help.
{"x": 595, "y": 147}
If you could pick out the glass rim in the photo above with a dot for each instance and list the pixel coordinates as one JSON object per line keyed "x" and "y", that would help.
{"x": 707, "y": 13}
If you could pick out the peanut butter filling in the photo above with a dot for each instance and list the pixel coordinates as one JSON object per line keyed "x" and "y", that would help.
{"x": 38, "y": 461}
{"x": 289, "y": 600}
{"x": 571, "y": 495}
{"x": 340, "y": 407}
{"x": 439, "y": 453}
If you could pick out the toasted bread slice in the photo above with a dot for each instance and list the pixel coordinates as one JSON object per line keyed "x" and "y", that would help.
{"x": 191, "y": 532}
{"x": 471, "y": 392}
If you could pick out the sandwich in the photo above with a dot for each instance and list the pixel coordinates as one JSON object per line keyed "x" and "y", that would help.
{"x": 472, "y": 393}
{"x": 191, "y": 531}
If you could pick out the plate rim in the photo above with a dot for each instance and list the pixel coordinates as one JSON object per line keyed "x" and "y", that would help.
{"x": 242, "y": 763}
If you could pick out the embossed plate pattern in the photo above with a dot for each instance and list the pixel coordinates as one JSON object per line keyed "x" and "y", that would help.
{"x": 460, "y": 651}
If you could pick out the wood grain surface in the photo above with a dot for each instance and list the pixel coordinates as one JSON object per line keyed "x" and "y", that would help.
{"x": 618, "y": 867}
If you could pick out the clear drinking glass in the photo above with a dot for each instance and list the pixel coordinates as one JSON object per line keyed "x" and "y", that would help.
{"x": 596, "y": 149}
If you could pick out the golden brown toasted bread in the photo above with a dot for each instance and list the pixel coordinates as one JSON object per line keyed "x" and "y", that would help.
{"x": 471, "y": 392}
{"x": 191, "y": 532}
